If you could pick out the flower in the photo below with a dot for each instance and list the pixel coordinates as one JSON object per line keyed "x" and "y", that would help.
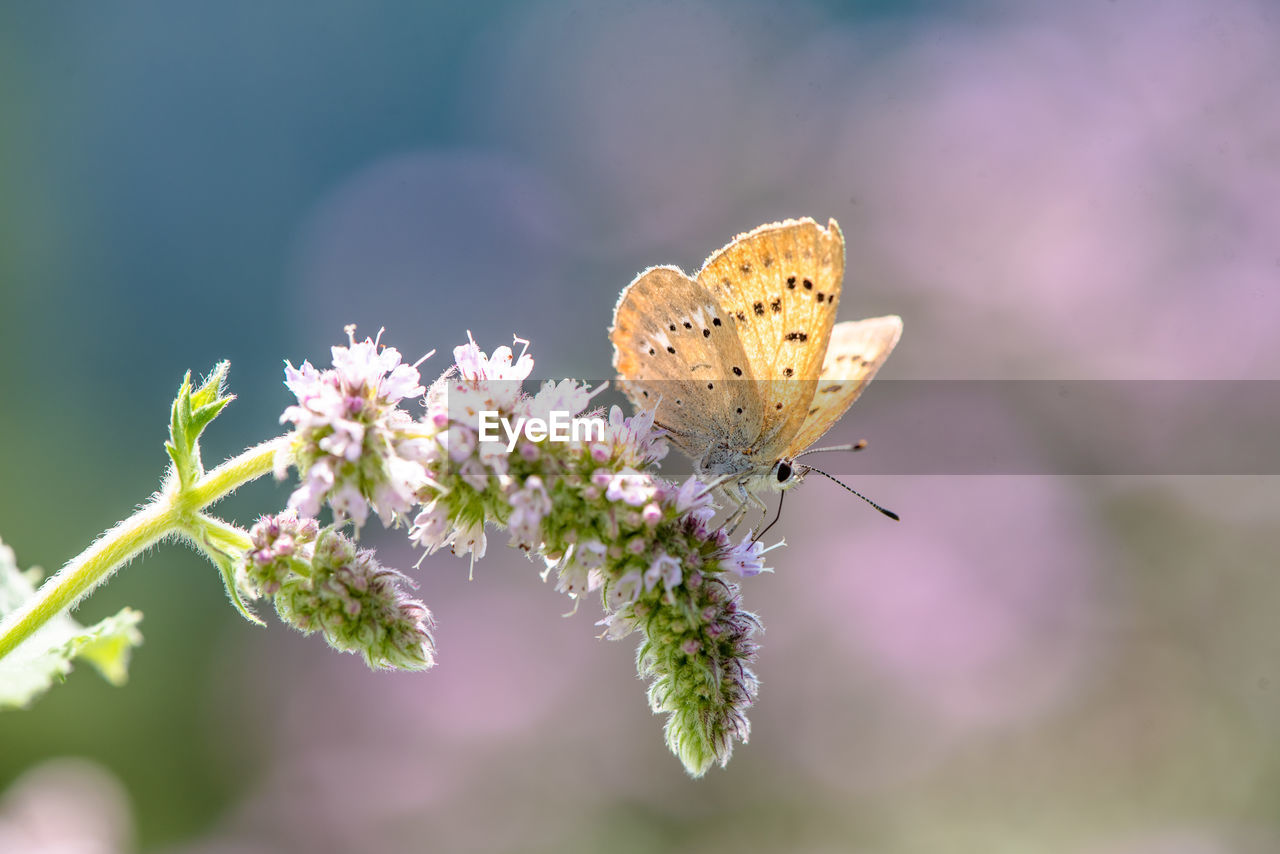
{"x": 588, "y": 508}
{"x": 744, "y": 558}
{"x": 665, "y": 569}
{"x": 693, "y": 496}
{"x": 319, "y": 580}
{"x": 316, "y": 484}
{"x": 579, "y": 572}
{"x": 474, "y": 365}
{"x": 623, "y": 592}
{"x": 565, "y": 396}
{"x": 637, "y": 441}
{"x": 706, "y": 708}
{"x": 353, "y": 446}
{"x": 280, "y": 546}
{"x": 630, "y": 486}
{"x": 470, "y": 540}
{"x": 499, "y": 375}
{"x": 431, "y": 528}
{"x": 595, "y": 517}
{"x": 528, "y": 506}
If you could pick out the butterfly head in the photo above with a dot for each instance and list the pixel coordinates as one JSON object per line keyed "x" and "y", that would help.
{"x": 784, "y": 475}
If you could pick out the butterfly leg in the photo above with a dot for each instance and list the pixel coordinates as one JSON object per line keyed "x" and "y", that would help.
{"x": 746, "y": 500}
{"x": 758, "y": 502}
{"x": 735, "y": 519}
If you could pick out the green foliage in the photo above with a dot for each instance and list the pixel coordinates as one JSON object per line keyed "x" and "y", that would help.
{"x": 46, "y": 656}
{"x": 194, "y": 410}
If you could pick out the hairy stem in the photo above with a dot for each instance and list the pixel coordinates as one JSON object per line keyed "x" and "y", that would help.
{"x": 169, "y": 513}
{"x": 234, "y": 473}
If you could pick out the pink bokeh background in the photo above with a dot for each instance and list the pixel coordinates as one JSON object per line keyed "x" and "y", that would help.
{"x": 1049, "y": 663}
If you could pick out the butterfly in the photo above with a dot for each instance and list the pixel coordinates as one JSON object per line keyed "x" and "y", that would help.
{"x": 744, "y": 362}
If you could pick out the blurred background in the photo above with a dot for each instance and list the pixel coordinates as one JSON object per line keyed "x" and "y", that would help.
{"x": 1035, "y": 663}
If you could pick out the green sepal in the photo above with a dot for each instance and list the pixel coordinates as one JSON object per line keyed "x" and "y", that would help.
{"x": 227, "y": 567}
{"x": 218, "y": 541}
{"x": 193, "y": 410}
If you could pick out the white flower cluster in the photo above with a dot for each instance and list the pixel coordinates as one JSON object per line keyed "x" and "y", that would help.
{"x": 353, "y": 444}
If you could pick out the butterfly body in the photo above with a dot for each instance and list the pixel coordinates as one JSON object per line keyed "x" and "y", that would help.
{"x": 744, "y": 361}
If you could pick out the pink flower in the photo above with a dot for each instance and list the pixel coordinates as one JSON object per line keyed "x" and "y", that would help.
{"x": 630, "y": 486}
{"x": 638, "y": 442}
{"x": 665, "y": 569}
{"x": 474, "y": 365}
{"x": 431, "y": 528}
{"x": 307, "y": 499}
{"x": 744, "y": 559}
{"x": 529, "y": 505}
{"x": 352, "y": 445}
{"x": 470, "y": 540}
{"x": 565, "y": 396}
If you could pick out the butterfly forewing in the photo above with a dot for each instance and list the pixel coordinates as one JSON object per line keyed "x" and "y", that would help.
{"x": 675, "y": 347}
{"x": 779, "y": 285}
{"x": 856, "y": 351}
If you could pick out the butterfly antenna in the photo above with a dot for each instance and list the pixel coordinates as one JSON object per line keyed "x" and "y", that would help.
{"x": 885, "y": 511}
{"x": 855, "y": 446}
{"x": 781, "y": 497}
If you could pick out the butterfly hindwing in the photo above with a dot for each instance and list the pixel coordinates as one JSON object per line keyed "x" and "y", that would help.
{"x": 856, "y": 351}
{"x": 779, "y": 285}
{"x": 674, "y": 347}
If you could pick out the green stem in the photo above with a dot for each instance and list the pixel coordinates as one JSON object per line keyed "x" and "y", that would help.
{"x": 169, "y": 513}
{"x": 234, "y": 473}
{"x": 222, "y": 535}
{"x": 85, "y": 571}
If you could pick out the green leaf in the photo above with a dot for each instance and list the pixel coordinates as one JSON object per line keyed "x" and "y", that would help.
{"x": 193, "y": 410}
{"x": 46, "y": 656}
{"x": 227, "y": 567}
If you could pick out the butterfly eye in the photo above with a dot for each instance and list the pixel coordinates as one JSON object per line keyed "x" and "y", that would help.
{"x": 784, "y": 471}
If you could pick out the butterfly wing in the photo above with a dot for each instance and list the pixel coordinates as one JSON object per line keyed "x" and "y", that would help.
{"x": 674, "y": 346}
{"x": 779, "y": 286}
{"x": 856, "y": 351}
